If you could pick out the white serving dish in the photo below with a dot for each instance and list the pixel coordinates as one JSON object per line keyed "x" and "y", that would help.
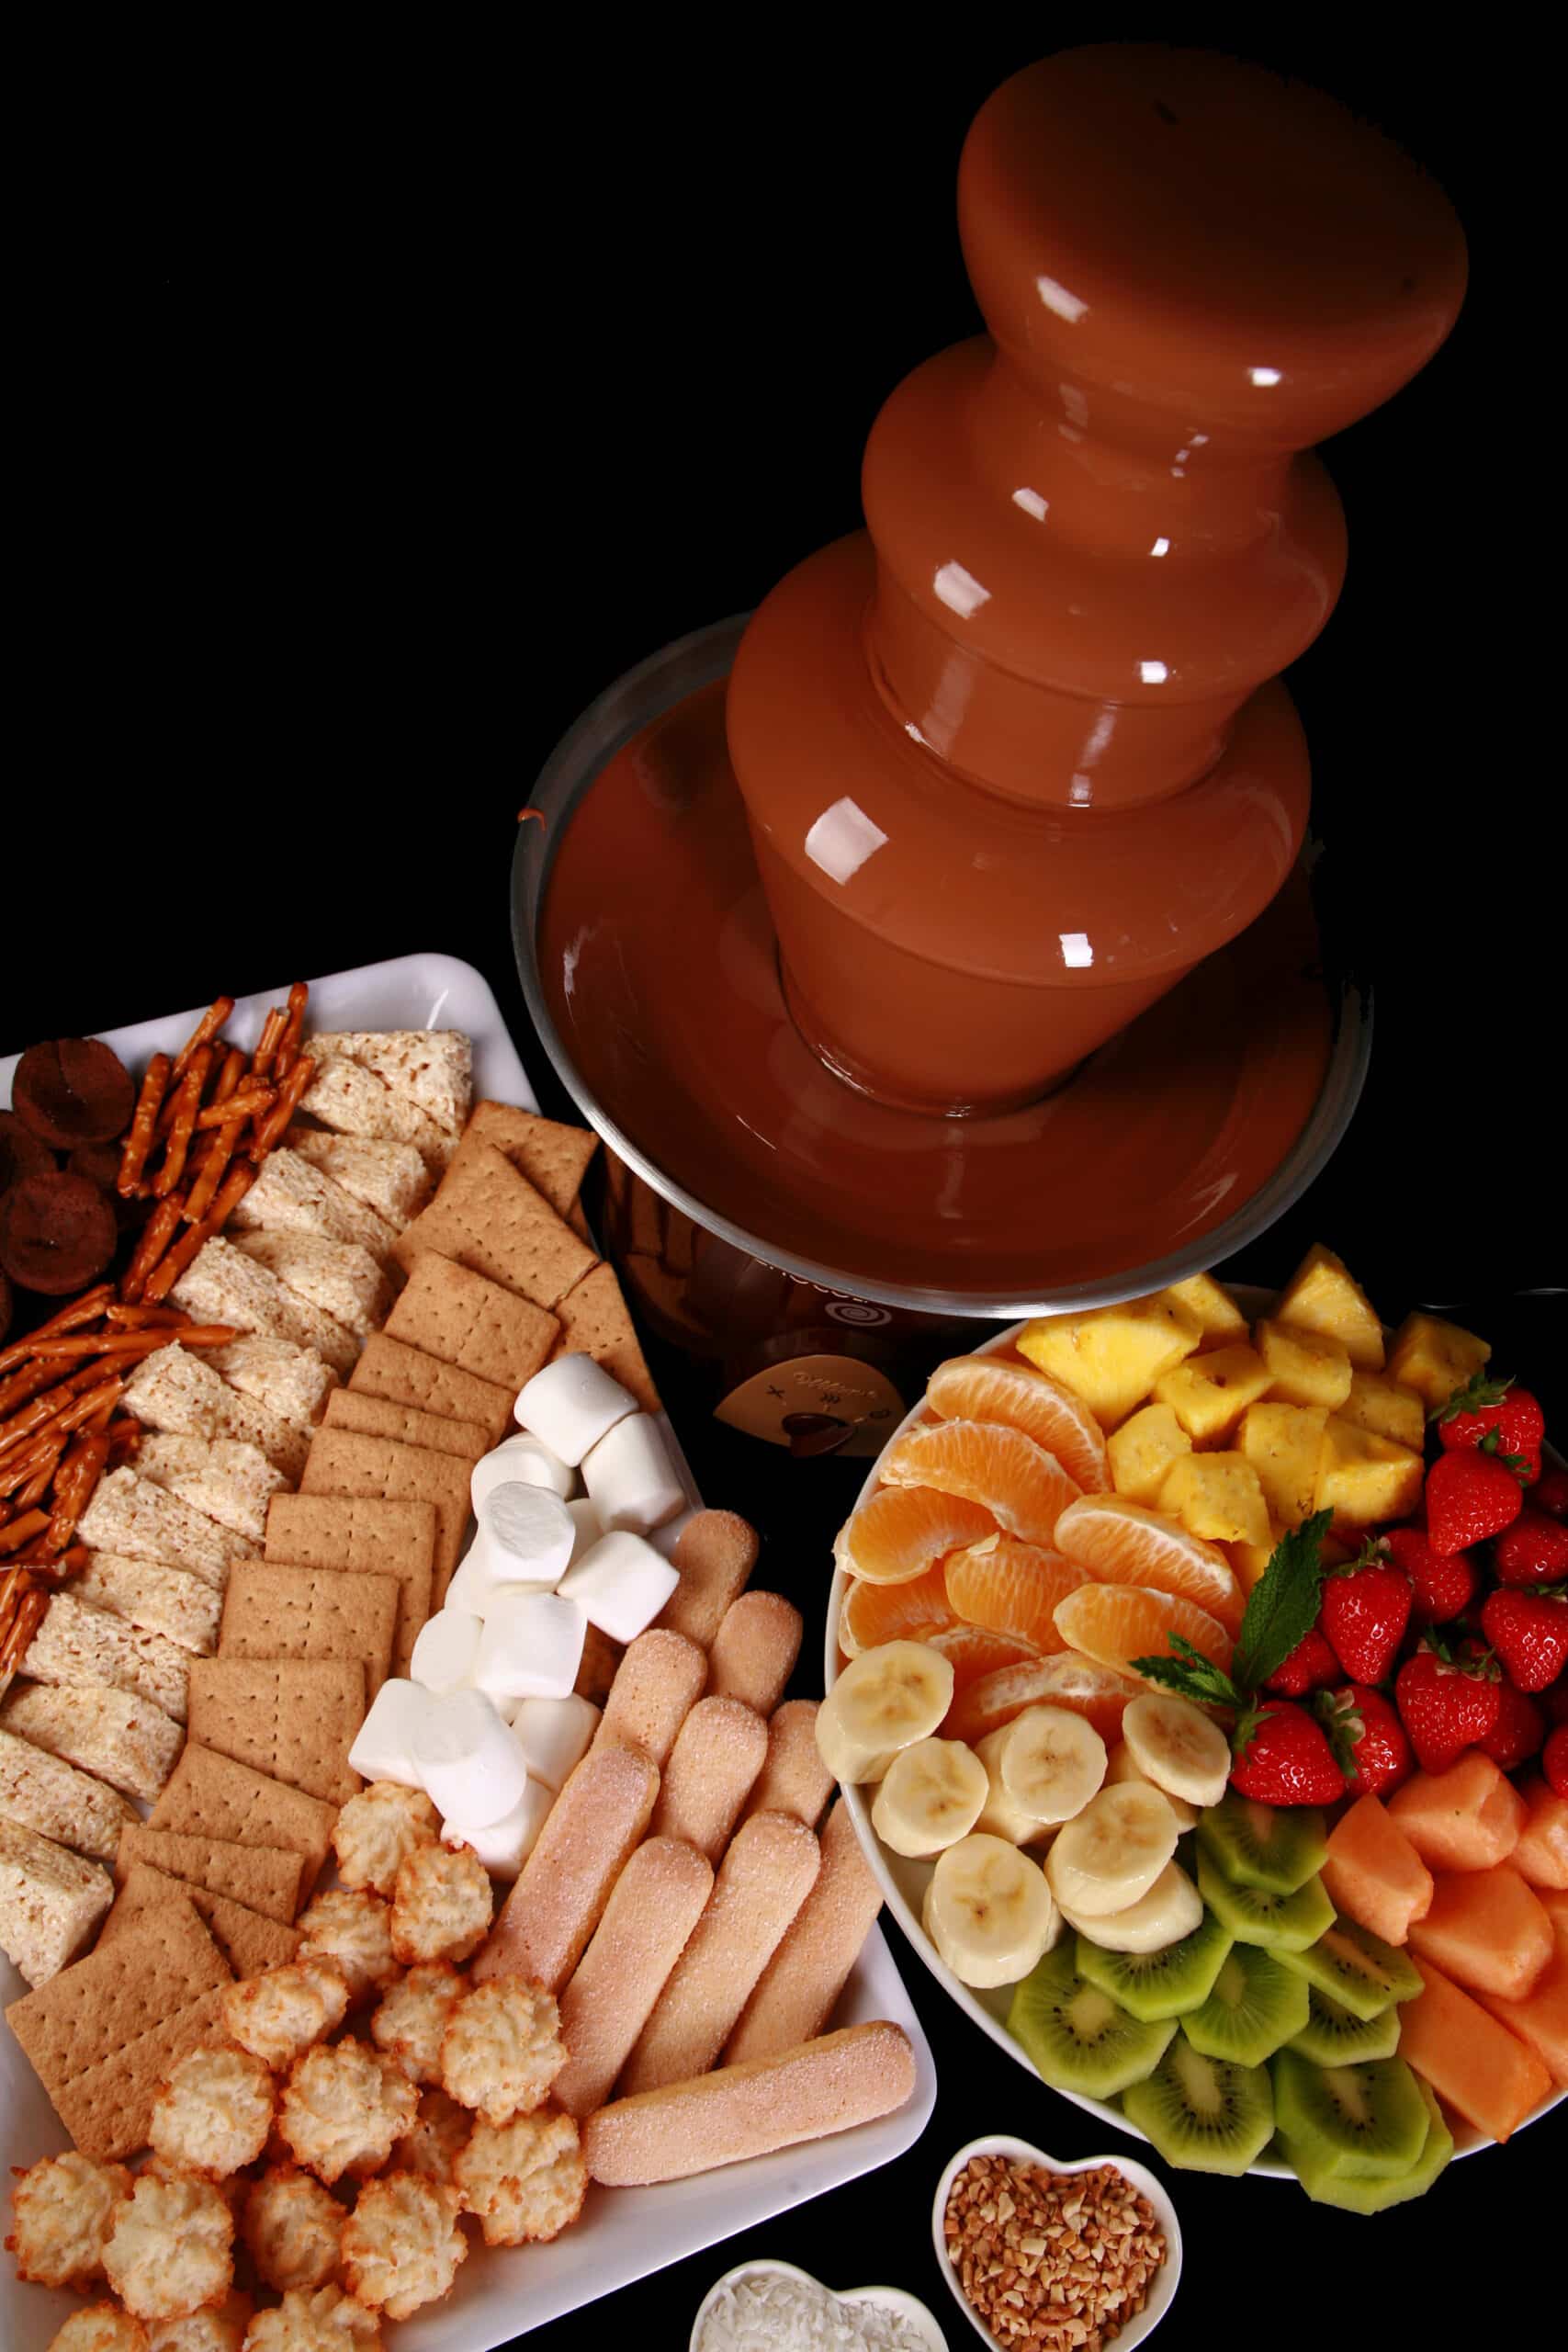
{"x": 626, "y": 2234}
{"x": 910, "y": 2308}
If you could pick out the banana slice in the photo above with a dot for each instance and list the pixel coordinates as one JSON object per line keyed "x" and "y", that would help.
{"x": 1042, "y": 1767}
{"x": 884, "y": 1700}
{"x": 1178, "y": 1746}
{"x": 1113, "y": 1852}
{"x": 1122, "y": 1768}
{"x": 990, "y": 1911}
{"x": 1172, "y": 1908}
{"x": 931, "y": 1797}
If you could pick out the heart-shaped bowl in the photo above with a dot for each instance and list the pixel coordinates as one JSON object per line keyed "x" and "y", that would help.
{"x": 1001, "y": 2143}
{"x": 910, "y": 2308}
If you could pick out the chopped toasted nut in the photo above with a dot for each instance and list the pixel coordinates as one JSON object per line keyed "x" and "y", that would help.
{"x": 1061, "y": 2261}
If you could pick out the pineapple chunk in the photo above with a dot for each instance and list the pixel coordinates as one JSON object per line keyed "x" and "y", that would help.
{"x": 1323, "y": 1296}
{"x": 1304, "y": 1367}
{"x": 1111, "y": 1356}
{"x": 1362, "y": 1478}
{"x": 1143, "y": 1450}
{"x": 1284, "y": 1443}
{"x": 1435, "y": 1358}
{"x": 1215, "y": 1309}
{"x": 1249, "y": 1560}
{"x": 1378, "y": 1403}
{"x": 1208, "y": 1393}
{"x": 1218, "y": 1495}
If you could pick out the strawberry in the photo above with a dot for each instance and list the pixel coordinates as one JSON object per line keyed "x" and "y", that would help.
{"x": 1282, "y": 1757}
{"x": 1533, "y": 1551}
{"x": 1555, "y": 1701}
{"x": 1367, "y": 1739}
{"x": 1366, "y": 1607}
{"x": 1506, "y": 1421}
{"x": 1519, "y": 1730}
{"x": 1310, "y": 1665}
{"x": 1469, "y": 1496}
{"x": 1549, "y": 1493}
{"x": 1529, "y": 1633}
{"x": 1442, "y": 1586}
{"x": 1554, "y": 1762}
{"x": 1445, "y": 1703}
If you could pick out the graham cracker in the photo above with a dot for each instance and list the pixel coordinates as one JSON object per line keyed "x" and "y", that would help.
{"x": 294, "y": 1719}
{"x": 355, "y": 1534}
{"x": 405, "y": 1375}
{"x": 553, "y": 1157}
{"x": 471, "y": 1322}
{"x": 577, "y": 1217}
{"x": 209, "y": 1796}
{"x": 343, "y": 1463}
{"x": 278, "y": 1612}
{"x": 250, "y": 1943}
{"x": 263, "y": 1878}
{"x": 405, "y": 1425}
{"x": 492, "y": 1220}
{"x": 596, "y": 1321}
{"x": 105, "y": 2034}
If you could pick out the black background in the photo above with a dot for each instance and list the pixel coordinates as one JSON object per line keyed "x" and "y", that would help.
{"x": 375, "y": 410}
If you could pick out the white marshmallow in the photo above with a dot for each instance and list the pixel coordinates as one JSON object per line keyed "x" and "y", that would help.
{"x": 445, "y": 1651}
{"x": 525, "y": 1541}
{"x": 554, "y": 1735}
{"x": 505, "y": 1845}
{"x": 468, "y": 1760}
{"x": 531, "y": 1646}
{"x": 571, "y": 1404}
{"x": 383, "y": 1745}
{"x": 664, "y": 1539}
{"x": 621, "y": 1584}
{"x": 630, "y": 1478}
{"x": 584, "y": 1517}
{"x": 524, "y": 1458}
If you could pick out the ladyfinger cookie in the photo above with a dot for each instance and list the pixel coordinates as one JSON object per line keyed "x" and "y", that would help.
{"x": 794, "y": 1779}
{"x": 821, "y": 2086}
{"x": 795, "y": 1996}
{"x": 718, "y": 1752}
{"x": 590, "y": 1832}
{"x": 656, "y": 1903}
{"x": 761, "y": 1884}
{"x": 754, "y": 1650}
{"x": 657, "y": 1684}
{"x": 715, "y": 1553}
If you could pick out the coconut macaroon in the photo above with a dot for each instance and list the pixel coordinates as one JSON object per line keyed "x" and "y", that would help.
{"x": 63, "y": 2211}
{"x": 342, "y": 2109}
{"x": 279, "y": 2014}
{"x": 410, "y": 2022}
{"x": 220, "y": 2328}
{"x": 102, "y": 2327}
{"x": 523, "y": 2181}
{"x": 354, "y": 1928}
{"x": 442, "y": 1905}
{"x": 171, "y": 2249}
{"x": 326, "y": 2321}
{"x": 402, "y": 2245}
{"x": 503, "y": 2048}
{"x": 437, "y": 2139}
{"x": 292, "y": 2228}
{"x": 376, "y": 1832}
{"x": 214, "y": 2114}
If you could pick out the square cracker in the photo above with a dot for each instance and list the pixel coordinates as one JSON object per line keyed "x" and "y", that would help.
{"x": 553, "y": 1157}
{"x": 271, "y": 1611}
{"x": 353, "y": 1533}
{"x": 294, "y": 1719}
{"x": 263, "y": 1878}
{"x": 459, "y": 1315}
{"x": 405, "y": 1375}
{"x": 492, "y": 1220}
{"x": 106, "y": 2033}
{"x": 596, "y": 1321}
{"x": 249, "y": 1942}
{"x": 209, "y": 1796}
{"x": 405, "y": 1424}
{"x": 343, "y": 1463}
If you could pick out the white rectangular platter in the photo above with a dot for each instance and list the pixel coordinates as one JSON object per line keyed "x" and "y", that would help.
{"x": 625, "y": 2235}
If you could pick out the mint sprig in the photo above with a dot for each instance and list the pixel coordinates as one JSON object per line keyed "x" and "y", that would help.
{"x": 1281, "y": 1611}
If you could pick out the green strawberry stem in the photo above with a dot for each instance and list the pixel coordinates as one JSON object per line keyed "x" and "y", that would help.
{"x": 1473, "y": 1396}
{"x": 1281, "y": 1610}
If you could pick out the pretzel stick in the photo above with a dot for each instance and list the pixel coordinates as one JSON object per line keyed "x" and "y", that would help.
{"x": 143, "y": 1122}
{"x": 38, "y": 1485}
{"x": 124, "y": 1440}
{"x": 267, "y": 1043}
{"x": 166, "y": 1273}
{"x": 136, "y": 1318}
{"x": 82, "y": 1406}
{"x": 156, "y": 1235}
{"x": 22, "y": 1530}
{"x": 219, "y": 1152}
{"x": 81, "y": 1310}
{"x": 126, "y": 1346}
{"x": 20, "y": 1467}
{"x": 43, "y": 1372}
{"x": 293, "y": 1028}
{"x": 80, "y": 1472}
{"x": 248, "y": 1103}
{"x": 44, "y": 1410}
{"x": 188, "y": 1104}
{"x": 206, "y": 1029}
{"x": 229, "y": 1077}
{"x": 270, "y": 1130}
{"x": 21, "y": 1613}
{"x": 55, "y": 1567}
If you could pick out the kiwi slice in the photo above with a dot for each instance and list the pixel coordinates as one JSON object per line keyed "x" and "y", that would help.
{"x": 1275, "y": 1847}
{"x": 1357, "y": 2194}
{"x": 1254, "y": 2009}
{"x": 1365, "y": 2120}
{"x": 1202, "y": 2112}
{"x": 1256, "y": 1916}
{"x": 1335, "y": 2036}
{"x": 1080, "y": 2038}
{"x": 1356, "y": 1969}
{"x": 1155, "y": 1984}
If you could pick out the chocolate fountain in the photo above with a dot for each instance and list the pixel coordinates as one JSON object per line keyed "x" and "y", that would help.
{"x": 941, "y": 942}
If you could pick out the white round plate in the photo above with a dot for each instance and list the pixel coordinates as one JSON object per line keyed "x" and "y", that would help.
{"x": 910, "y": 2308}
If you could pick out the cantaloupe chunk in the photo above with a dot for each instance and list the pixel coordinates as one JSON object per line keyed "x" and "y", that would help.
{"x": 1541, "y": 2017}
{"x": 1487, "y": 1930}
{"x": 1373, "y": 1873}
{"x": 1555, "y": 1906}
{"x": 1541, "y": 1854}
{"x": 1477, "y": 2065}
{"x": 1464, "y": 1819}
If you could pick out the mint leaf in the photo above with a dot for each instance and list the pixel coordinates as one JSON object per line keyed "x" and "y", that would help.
{"x": 1188, "y": 1673}
{"x": 1282, "y": 1608}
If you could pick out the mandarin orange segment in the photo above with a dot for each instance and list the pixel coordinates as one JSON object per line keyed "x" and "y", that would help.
{"x": 1067, "y": 1681}
{"x": 1024, "y": 1487}
{"x": 1117, "y": 1622}
{"x": 1003, "y": 1388}
{"x": 1121, "y": 1543}
{"x": 974, "y": 1650}
{"x": 871, "y": 1615}
{"x": 904, "y": 1531}
{"x": 1011, "y": 1587}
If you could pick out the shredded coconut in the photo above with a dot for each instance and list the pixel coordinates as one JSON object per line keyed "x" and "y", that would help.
{"x": 769, "y": 2310}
